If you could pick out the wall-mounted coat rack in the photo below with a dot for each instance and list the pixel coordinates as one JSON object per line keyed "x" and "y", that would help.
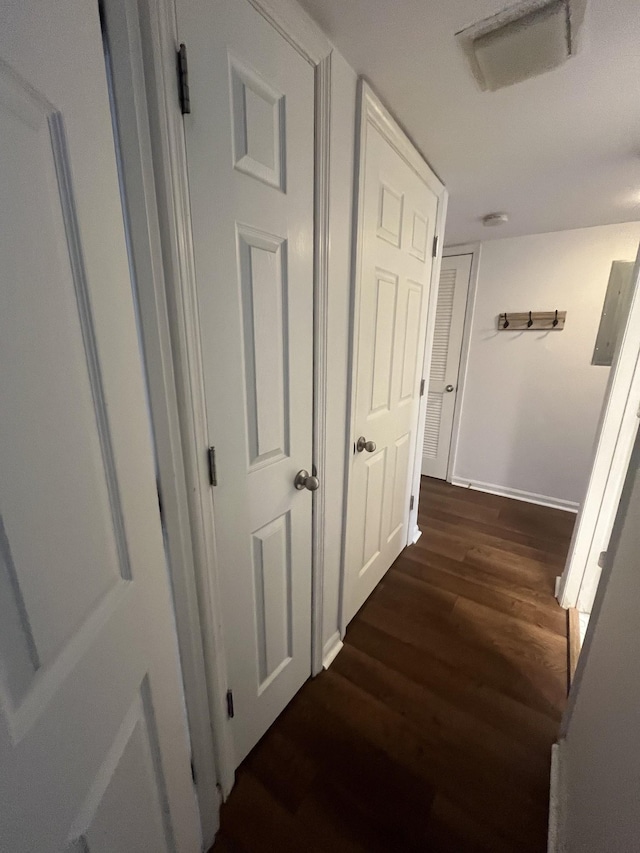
{"x": 532, "y": 321}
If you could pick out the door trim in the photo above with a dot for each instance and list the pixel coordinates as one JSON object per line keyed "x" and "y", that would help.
{"x": 473, "y": 249}
{"x": 322, "y": 143}
{"x": 176, "y": 306}
{"x": 298, "y": 28}
{"x": 617, "y": 430}
{"x": 369, "y": 108}
{"x": 128, "y": 23}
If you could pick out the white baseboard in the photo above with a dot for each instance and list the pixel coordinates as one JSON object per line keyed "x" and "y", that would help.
{"x": 331, "y": 649}
{"x": 417, "y": 533}
{"x": 516, "y": 494}
{"x": 555, "y": 839}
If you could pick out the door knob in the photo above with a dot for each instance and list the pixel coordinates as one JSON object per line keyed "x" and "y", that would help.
{"x": 363, "y": 444}
{"x": 304, "y": 480}
{"x": 449, "y": 388}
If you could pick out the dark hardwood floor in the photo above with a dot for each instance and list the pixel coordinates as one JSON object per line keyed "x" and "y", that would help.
{"x": 432, "y": 730}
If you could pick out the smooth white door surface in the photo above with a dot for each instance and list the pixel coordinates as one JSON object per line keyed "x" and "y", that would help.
{"x": 94, "y": 751}
{"x": 445, "y": 363}
{"x": 250, "y": 161}
{"x": 397, "y": 216}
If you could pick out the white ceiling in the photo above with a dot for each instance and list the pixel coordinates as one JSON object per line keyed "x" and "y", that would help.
{"x": 558, "y": 151}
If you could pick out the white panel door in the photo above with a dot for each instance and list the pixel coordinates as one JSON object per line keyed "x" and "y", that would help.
{"x": 455, "y": 271}
{"x": 250, "y": 160}
{"x": 93, "y": 746}
{"x": 397, "y": 216}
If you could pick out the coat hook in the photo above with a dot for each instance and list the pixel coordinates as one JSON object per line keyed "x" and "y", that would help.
{"x": 555, "y": 319}
{"x": 530, "y": 322}
{"x": 505, "y": 325}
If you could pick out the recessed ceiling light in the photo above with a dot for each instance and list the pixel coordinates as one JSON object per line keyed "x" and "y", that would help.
{"x": 495, "y": 219}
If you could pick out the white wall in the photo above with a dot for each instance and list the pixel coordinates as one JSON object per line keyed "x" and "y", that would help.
{"x": 599, "y": 799}
{"x": 532, "y": 399}
{"x": 342, "y": 146}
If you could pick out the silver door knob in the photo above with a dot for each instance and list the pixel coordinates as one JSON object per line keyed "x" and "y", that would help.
{"x": 363, "y": 444}
{"x": 304, "y": 480}
{"x": 449, "y": 388}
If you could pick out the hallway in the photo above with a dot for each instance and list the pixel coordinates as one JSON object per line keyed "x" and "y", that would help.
{"x": 432, "y": 730}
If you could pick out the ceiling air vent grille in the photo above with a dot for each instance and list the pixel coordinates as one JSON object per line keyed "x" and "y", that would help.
{"x": 523, "y": 41}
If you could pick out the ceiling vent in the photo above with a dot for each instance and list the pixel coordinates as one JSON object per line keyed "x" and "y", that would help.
{"x": 522, "y": 41}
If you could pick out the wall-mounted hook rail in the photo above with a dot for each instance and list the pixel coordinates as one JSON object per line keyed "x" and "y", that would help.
{"x": 532, "y": 321}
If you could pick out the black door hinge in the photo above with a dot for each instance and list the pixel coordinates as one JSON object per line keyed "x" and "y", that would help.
{"x": 422, "y": 387}
{"x": 412, "y": 501}
{"x": 211, "y": 459}
{"x": 230, "y": 704}
{"x": 160, "y": 506}
{"x": 435, "y": 246}
{"x": 183, "y": 80}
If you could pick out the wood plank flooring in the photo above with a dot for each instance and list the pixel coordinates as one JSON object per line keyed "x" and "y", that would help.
{"x": 432, "y": 730}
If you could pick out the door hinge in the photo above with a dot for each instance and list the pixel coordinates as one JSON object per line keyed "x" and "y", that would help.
{"x": 435, "y": 245}
{"x": 193, "y": 772}
{"x": 211, "y": 458}
{"x": 183, "y": 80}
{"x": 422, "y": 387}
{"x": 160, "y": 506}
{"x": 230, "y": 711}
{"x": 412, "y": 502}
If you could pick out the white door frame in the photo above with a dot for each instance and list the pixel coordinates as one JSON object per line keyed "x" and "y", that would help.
{"x": 616, "y": 436}
{"x": 474, "y": 250}
{"x": 188, "y": 504}
{"x": 152, "y": 273}
{"x": 371, "y": 108}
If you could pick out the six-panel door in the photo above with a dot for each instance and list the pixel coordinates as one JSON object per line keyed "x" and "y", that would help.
{"x": 395, "y": 234}
{"x": 250, "y": 158}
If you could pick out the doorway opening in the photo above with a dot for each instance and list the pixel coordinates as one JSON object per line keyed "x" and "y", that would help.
{"x": 538, "y": 414}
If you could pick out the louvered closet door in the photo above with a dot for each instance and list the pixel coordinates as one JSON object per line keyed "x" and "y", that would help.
{"x": 445, "y": 363}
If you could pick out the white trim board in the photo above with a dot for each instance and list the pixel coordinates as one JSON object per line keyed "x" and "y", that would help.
{"x": 297, "y": 27}
{"x": 321, "y": 229}
{"x": 557, "y": 794}
{"x": 127, "y": 31}
{"x": 331, "y": 649}
{"x": 516, "y": 494}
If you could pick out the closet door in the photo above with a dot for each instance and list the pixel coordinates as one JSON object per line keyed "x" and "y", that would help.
{"x": 398, "y": 200}
{"x": 445, "y": 363}
{"x": 251, "y": 169}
